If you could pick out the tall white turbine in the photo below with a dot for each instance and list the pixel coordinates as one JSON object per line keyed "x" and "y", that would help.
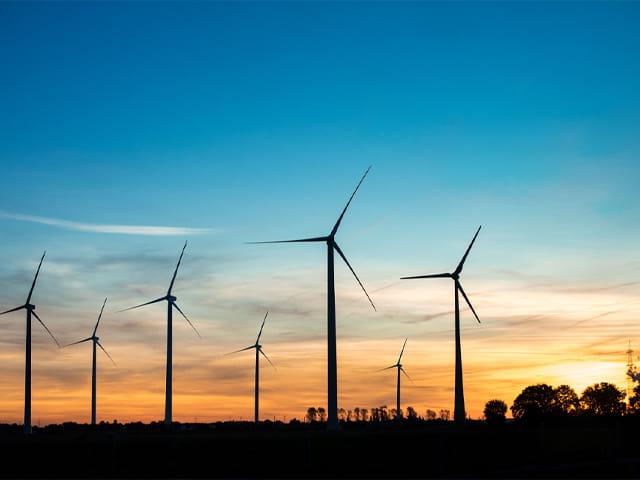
{"x": 259, "y": 352}
{"x": 171, "y": 304}
{"x": 459, "y": 409}
{"x": 31, "y": 311}
{"x": 398, "y": 366}
{"x": 332, "y": 362}
{"x": 96, "y": 342}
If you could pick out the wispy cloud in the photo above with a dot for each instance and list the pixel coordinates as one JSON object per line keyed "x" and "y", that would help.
{"x": 103, "y": 228}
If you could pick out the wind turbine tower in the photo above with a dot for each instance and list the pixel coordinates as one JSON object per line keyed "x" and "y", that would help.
{"x": 332, "y": 363}
{"x": 31, "y": 312}
{"x": 459, "y": 414}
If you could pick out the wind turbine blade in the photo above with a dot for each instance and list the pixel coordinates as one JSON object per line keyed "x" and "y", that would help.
{"x": 185, "y": 317}
{"x": 402, "y": 351}
{"x": 143, "y": 304}
{"x": 337, "y": 225}
{"x": 268, "y": 359}
{"x": 407, "y": 375}
{"x": 99, "y": 317}
{"x": 335, "y": 245}
{"x": 261, "y": 327}
{"x": 464, "y": 257}
{"x": 436, "y": 275}
{"x": 33, "y": 285}
{"x": 387, "y": 368}
{"x": 45, "y": 327}
{"x": 13, "y": 310}
{"x": 468, "y": 302}
{"x": 79, "y": 341}
{"x": 313, "y": 239}
{"x": 106, "y": 353}
{"x": 173, "y": 279}
{"x": 241, "y": 350}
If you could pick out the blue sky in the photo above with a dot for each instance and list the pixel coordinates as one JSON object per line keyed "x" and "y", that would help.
{"x": 255, "y": 120}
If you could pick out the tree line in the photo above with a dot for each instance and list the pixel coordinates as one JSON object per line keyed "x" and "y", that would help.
{"x": 534, "y": 403}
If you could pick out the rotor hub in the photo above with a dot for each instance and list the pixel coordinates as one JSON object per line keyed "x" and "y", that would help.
{"x": 171, "y": 298}
{"x": 30, "y": 306}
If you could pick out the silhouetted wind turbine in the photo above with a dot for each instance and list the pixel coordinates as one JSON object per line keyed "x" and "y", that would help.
{"x": 31, "y": 311}
{"x": 398, "y": 365}
{"x": 459, "y": 411}
{"x": 332, "y": 369}
{"x": 171, "y": 304}
{"x": 259, "y": 351}
{"x": 96, "y": 341}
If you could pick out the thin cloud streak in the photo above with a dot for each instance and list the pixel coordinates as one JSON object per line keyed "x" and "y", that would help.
{"x": 104, "y": 228}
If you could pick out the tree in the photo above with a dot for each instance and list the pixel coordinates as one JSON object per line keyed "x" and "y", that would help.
{"x": 393, "y": 414}
{"x": 565, "y": 401}
{"x": 495, "y": 412}
{"x": 364, "y": 414}
{"x": 322, "y": 414}
{"x": 342, "y": 414}
{"x": 356, "y": 414}
{"x": 411, "y": 413}
{"x": 384, "y": 414}
{"x": 534, "y": 402}
{"x": 312, "y": 414}
{"x": 634, "y": 401}
{"x": 603, "y": 399}
{"x": 431, "y": 415}
{"x": 445, "y": 414}
{"x": 350, "y": 416}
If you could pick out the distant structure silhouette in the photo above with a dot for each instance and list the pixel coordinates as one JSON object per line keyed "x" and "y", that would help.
{"x": 459, "y": 409}
{"x": 259, "y": 352}
{"x": 31, "y": 311}
{"x": 332, "y": 369}
{"x": 95, "y": 341}
{"x": 171, "y": 304}
{"x": 398, "y": 366}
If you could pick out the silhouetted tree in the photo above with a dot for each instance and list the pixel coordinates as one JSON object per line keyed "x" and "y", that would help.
{"x": 634, "y": 401}
{"x": 356, "y": 413}
{"x": 495, "y": 412}
{"x": 393, "y": 414}
{"x": 342, "y": 415}
{"x": 384, "y": 414}
{"x": 312, "y": 414}
{"x": 565, "y": 401}
{"x": 364, "y": 414}
{"x": 445, "y": 414}
{"x": 431, "y": 414}
{"x": 322, "y": 414}
{"x": 534, "y": 402}
{"x": 350, "y": 416}
{"x": 411, "y": 413}
{"x": 603, "y": 399}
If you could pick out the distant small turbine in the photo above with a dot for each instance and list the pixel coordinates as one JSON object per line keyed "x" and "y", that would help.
{"x": 31, "y": 311}
{"x": 398, "y": 365}
{"x": 332, "y": 362}
{"x": 171, "y": 304}
{"x": 96, "y": 341}
{"x": 459, "y": 411}
{"x": 259, "y": 351}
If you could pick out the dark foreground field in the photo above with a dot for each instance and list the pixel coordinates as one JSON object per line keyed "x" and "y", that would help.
{"x": 576, "y": 448}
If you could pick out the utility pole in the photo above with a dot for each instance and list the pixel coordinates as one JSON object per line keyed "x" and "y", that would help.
{"x": 631, "y": 368}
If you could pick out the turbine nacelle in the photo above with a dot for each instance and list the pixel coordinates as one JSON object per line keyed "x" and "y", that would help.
{"x": 171, "y": 298}
{"x": 30, "y": 306}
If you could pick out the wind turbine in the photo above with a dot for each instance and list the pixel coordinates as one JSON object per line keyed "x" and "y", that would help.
{"x": 96, "y": 341}
{"x": 459, "y": 411}
{"x": 31, "y": 311}
{"x": 171, "y": 304}
{"x": 332, "y": 373}
{"x": 259, "y": 351}
{"x": 398, "y": 365}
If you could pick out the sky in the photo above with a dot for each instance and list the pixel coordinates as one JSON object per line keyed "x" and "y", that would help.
{"x": 128, "y": 128}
